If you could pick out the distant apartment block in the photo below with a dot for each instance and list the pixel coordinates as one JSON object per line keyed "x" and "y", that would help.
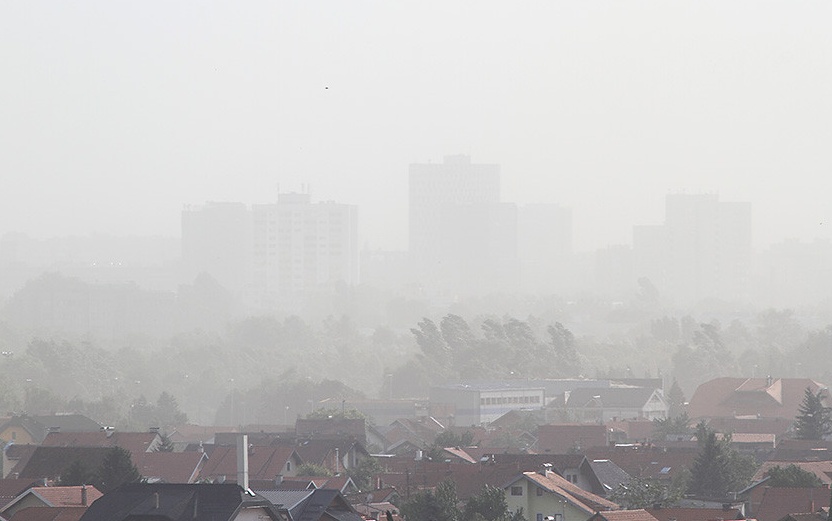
{"x": 300, "y": 246}
{"x": 273, "y": 253}
{"x": 702, "y": 250}
{"x": 474, "y": 404}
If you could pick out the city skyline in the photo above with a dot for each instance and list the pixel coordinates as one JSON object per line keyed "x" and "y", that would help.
{"x": 114, "y": 116}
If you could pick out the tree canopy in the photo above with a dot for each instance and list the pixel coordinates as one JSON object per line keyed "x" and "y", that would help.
{"x": 814, "y": 420}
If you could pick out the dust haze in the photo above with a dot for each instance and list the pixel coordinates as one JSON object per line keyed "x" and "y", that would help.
{"x": 266, "y": 208}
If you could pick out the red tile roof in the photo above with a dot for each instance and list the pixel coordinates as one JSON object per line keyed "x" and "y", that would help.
{"x": 61, "y": 496}
{"x": 564, "y": 438}
{"x": 777, "y": 502}
{"x": 264, "y": 463}
{"x": 170, "y": 467}
{"x": 11, "y": 488}
{"x": 623, "y": 515}
{"x": 582, "y": 499}
{"x": 694, "y": 514}
{"x": 647, "y": 462}
{"x": 134, "y": 442}
{"x": 753, "y": 397}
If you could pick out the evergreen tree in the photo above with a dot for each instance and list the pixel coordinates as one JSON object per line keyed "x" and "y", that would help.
{"x": 116, "y": 469}
{"x": 710, "y": 470}
{"x": 814, "y": 421}
{"x": 676, "y": 400}
{"x": 78, "y": 473}
{"x": 718, "y": 469}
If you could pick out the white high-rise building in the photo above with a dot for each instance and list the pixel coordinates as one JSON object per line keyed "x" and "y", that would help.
{"x": 299, "y": 247}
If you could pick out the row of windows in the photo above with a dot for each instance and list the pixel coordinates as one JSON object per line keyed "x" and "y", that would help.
{"x": 501, "y": 400}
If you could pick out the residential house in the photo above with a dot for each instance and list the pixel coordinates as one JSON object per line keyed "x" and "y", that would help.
{"x": 647, "y": 461}
{"x": 80, "y": 496}
{"x": 49, "y": 514}
{"x": 729, "y": 397}
{"x": 181, "y": 502}
{"x": 11, "y": 488}
{"x": 25, "y": 429}
{"x": 821, "y": 469}
{"x": 802, "y": 450}
{"x": 50, "y": 462}
{"x": 312, "y": 505}
{"x": 337, "y": 455}
{"x": 264, "y": 463}
{"x": 613, "y": 403}
{"x": 774, "y": 503}
{"x": 571, "y": 438}
{"x": 133, "y": 442}
{"x": 170, "y": 467}
{"x": 546, "y": 495}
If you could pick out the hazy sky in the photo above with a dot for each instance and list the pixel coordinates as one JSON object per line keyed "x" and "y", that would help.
{"x": 114, "y": 114}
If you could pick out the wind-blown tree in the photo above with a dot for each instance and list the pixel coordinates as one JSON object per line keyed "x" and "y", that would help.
{"x": 814, "y": 420}
{"x": 78, "y": 473}
{"x": 664, "y": 427}
{"x": 567, "y": 362}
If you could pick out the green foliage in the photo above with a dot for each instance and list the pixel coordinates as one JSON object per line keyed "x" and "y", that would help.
{"x": 664, "y": 427}
{"x": 448, "y": 438}
{"x": 313, "y": 469}
{"x": 718, "y": 469}
{"x": 426, "y": 505}
{"x": 792, "y": 476}
{"x": 646, "y": 492}
{"x": 78, "y": 473}
{"x": 675, "y": 400}
{"x": 363, "y": 473}
{"x": 116, "y": 469}
{"x": 489, "y": 504}
{"x": 814, "y": 420}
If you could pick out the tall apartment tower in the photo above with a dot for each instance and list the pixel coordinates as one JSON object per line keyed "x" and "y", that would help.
{"x": 702, "y": 250}
{"x": 300, "y": 247}
{"x": 463, "y": 240}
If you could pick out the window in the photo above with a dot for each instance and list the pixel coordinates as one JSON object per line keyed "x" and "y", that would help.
{"x": 516, "y": 491}
{"x": 539, "y": 491}
{"x": 288, "y": 466}
{"x": 539, "y": 517}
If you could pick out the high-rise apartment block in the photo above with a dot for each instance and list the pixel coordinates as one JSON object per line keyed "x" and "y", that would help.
{"x": 273, "y": 253}
{"x": 463, "y": 240}
{"x": 702, "y": 250}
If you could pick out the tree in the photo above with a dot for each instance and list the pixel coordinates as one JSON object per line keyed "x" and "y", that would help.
{"x": 664, "y": 427}
{"x": 814, "y": 420}
{"x": 676, "y": 400}
{"x": 567, "y": 361}
{"x": 167, "y": 411}
{"x": 488, "y": 504}
{"x": 792, "y": 476}
{"x": 718, "y": 469}
{"x": 433, "y": 506}
{"x": 116, "y": 469}
{"x": 644, "y": 493}
{"x": 363, "y": 473}
{"x": 78, "y": 473}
